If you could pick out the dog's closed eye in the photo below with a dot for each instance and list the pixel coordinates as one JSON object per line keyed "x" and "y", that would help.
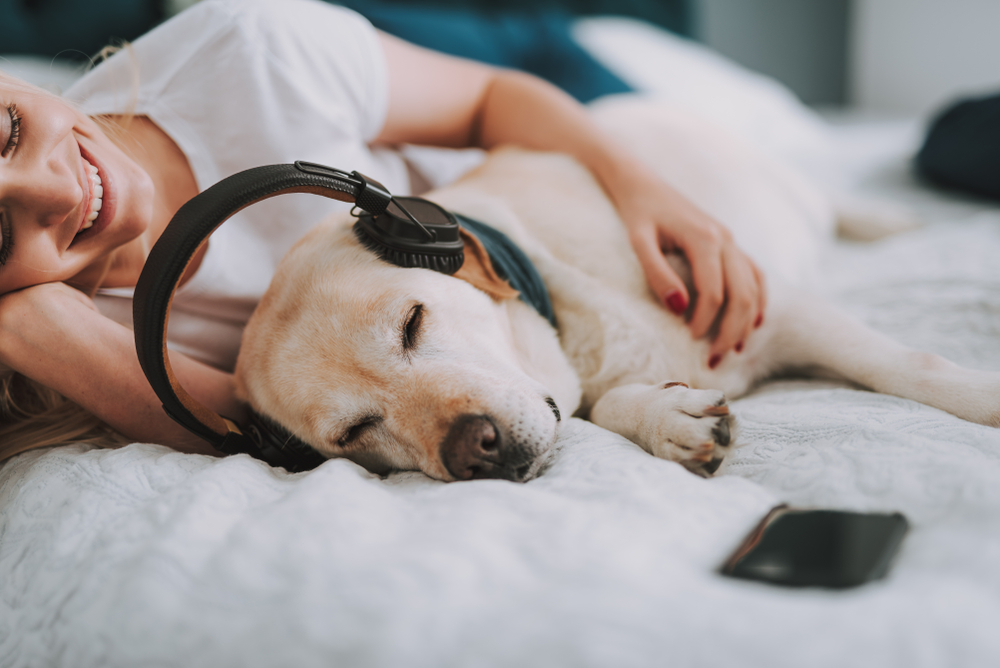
{"x": 411, "y": 328}
{"x": 358, "y": 429}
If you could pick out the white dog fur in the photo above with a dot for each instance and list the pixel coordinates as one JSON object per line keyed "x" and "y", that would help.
{"x": 463, "y": 386}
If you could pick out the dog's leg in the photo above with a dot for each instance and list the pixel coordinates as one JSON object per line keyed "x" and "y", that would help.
{"x": 670, "y": 421}
{"x": 815, "y": 336}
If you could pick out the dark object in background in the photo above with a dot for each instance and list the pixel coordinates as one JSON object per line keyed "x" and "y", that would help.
{"x": 75, "y": 29}
{"x": 962, "y": 148}
{"x": 835, "y": 549}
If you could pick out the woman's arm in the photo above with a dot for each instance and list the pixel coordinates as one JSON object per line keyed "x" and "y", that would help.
{"x": 54, "y": 335}
{"x": 440, "y": 100}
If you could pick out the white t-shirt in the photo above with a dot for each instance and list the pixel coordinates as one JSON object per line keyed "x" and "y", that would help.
{"x": 238, "y": 84}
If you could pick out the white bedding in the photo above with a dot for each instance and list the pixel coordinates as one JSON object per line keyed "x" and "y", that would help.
{"x": 146, "y": 557}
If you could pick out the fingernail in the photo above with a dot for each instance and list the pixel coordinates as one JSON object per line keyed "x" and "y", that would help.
{"x": 739, "y": 347}
{"x": 676, "y": 302}
{"x": 759, "y": 321}
{"x": 714, "y": 361}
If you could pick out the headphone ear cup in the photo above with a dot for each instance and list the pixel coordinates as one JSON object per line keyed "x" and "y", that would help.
{"x": 436, "y": 243}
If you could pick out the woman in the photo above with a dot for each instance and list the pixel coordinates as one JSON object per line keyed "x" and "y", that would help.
{"x": 85, "y": 191}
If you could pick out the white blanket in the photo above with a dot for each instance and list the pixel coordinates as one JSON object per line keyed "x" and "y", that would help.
{"x": 146, "y": 557}
{"x": 143, "y": 556}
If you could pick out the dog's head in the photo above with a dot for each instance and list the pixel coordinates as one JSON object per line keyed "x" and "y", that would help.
{"x": 395, "y": 369}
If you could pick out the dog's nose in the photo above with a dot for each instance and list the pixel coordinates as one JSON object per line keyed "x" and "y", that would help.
{"x": 475, "y": 448}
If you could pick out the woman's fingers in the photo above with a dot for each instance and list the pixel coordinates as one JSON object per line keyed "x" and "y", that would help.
{"x": 730, "y": 289}
{"x": 708, "y": 274}
{"x": 662, "y": 279}
{"x": 761, "y": 297}
{"x": 743, "y": 304}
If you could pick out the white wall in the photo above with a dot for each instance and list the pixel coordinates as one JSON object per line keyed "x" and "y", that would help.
{"x": 912, "y": 56}
{"x": 802, "y": 43}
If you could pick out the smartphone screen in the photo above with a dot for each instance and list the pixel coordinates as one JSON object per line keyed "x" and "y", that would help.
{"x": 818, "y": 548}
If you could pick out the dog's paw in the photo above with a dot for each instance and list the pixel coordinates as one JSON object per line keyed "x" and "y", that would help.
{"x": 691, "y": 427}
{"x": 671, "y": 421}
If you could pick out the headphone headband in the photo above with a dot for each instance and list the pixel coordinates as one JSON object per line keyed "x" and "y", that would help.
{"x": 169, "y": 259}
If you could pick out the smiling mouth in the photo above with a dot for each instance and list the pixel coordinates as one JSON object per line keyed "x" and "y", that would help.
{"x": 96, "y": 196}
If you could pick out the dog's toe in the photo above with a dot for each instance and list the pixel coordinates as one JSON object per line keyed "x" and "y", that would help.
{"x": 721, "y": 432}
{"x": 704, "y": 469}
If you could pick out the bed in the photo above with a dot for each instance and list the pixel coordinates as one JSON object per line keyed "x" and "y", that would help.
{"x": 142, "y": 556}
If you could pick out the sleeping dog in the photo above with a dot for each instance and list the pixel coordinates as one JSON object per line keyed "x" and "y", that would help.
{"x": 410, "y": 369}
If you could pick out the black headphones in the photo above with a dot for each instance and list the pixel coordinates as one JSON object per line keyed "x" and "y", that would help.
{"x": 405, "y": 231}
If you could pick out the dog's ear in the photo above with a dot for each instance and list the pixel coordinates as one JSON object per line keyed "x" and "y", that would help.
{"x": 479, "y": 272}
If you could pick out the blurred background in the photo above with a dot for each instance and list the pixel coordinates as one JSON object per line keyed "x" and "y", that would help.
{"x": 895, "y": 57}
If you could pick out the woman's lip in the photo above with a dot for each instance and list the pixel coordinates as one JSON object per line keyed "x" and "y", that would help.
{"x": 107, "y": 212}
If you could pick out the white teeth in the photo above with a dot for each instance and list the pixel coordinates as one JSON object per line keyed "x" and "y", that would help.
{"x": 98, "y": 194}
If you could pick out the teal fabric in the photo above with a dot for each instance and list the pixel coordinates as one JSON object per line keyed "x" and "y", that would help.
{"x": 512, "y": 265}
{"x": 537, "y": 42}
{"x": 72, "y": 28}
{"x": 675, "y": 15}
{"x": 82, "y": 27}
{"x": 529, "y": 35}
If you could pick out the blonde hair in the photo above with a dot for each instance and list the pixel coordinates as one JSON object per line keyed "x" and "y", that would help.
{"x": 34, "y": 416}
{"x": 31, "y": 414}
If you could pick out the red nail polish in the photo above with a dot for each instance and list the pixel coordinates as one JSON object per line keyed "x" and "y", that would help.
{"x": 675, "y": 302}
{"x": 739, "y": 347}
{"x": 759, "y": 321}
{"x": 714, "y": 361}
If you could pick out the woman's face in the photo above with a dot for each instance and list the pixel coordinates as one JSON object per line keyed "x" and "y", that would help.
{"x": 49, "y": 153}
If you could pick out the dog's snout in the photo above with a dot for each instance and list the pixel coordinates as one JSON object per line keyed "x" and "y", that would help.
{"x": 475, "y": 448}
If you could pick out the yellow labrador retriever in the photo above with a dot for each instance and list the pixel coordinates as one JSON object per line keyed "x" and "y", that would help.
{"x": 409, "y": 369}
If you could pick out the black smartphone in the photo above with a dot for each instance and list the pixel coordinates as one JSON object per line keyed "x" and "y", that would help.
{"x": 818, "y": 548}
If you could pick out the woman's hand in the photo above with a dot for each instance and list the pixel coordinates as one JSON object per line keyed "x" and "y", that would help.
{"x": 731, "y": 293}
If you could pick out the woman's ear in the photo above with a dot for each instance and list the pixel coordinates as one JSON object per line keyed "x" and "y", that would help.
{"x": 478, "y": 271}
